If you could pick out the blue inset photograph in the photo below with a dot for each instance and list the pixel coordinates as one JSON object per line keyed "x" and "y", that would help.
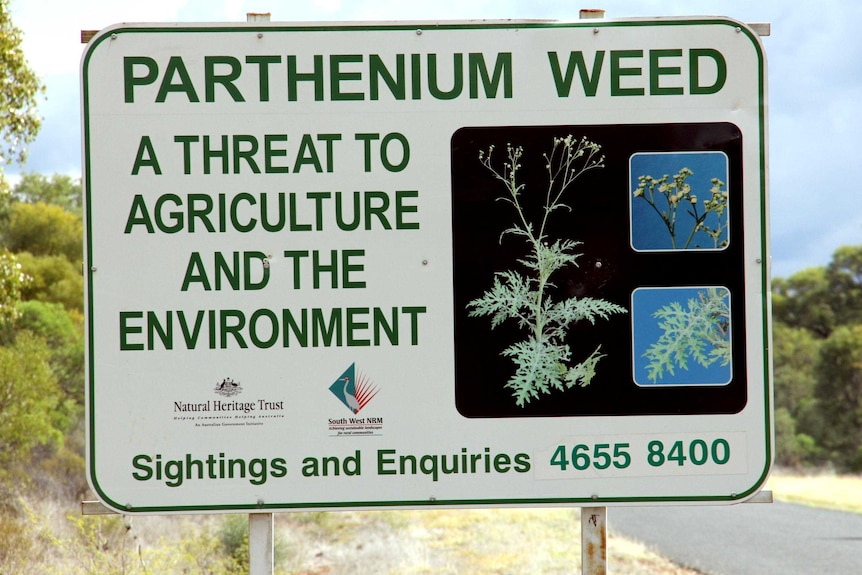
{"x": 681, "y": 336}
{"x": 679, "y": 201}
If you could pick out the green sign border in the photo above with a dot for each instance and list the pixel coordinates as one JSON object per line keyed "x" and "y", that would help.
{"x": 113, "y": 32}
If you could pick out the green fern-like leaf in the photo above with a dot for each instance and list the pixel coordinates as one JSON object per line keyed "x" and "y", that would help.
{"x": 542, "y": 358}
{"x": 568, "y": 311}
{"x": 697, "y": 332}
{"x": 510, "y": 298}
{"x": 582, "y": 374}
{"x": 540, "y": 368}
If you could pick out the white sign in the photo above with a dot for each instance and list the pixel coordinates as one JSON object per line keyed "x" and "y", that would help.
{"x": 458, "y": 264}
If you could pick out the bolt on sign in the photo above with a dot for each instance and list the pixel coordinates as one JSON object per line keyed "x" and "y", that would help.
{"x": 399, "y": 265}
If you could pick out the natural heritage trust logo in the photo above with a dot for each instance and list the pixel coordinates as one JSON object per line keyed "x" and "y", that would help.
{"x": 354, "y": 389}
{"x": 228, "y": 387}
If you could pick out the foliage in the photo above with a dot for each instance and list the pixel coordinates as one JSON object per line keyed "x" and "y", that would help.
{"x": 803, "y": 301}
{"x": 19, "y": 92}
{"x": 698, "y": 332}
{"x": 233, "y": 538}
{"x": 57, "y": 190}
{"x": 29, "y": 399}
{"x": 12, "y": 282}
{"x": 112, "y": 544}
{"x": 844, "y": 276}
{"x": 792, "y": 448}
{"x": 542, "y": 358}
{"x": 45, "y": 230}
{"x": 53, "y": 279}
{"x": 677, "y": 193}
{"x": 795, "y": 351}
{"x": 839, "y": 389}
{"x": 817, "y": 315}
{"x": 62, "y": 330}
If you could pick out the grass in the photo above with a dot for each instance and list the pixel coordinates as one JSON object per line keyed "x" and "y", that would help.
{"x": 50, "y": 537}
{"x": 827, "y": 490}
{"x": 451, "y": 542}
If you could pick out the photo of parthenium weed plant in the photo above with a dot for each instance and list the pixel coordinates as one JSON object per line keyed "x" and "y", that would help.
{"x": 681, "y": 336}
{"x": 542, "y": 358}
{"x": 679, "y": 201}
{"x": 568, "y": 300}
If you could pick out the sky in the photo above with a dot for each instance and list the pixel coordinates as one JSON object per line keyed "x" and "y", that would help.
{"x": 814, "y": 85}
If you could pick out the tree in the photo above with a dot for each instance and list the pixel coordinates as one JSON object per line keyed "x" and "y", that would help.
{"x": 803, "y": 301}
{"x": 844, "y": 276}
{"x": 12, "y": 281}
{"x": 62, "y": 330}
{"x": 839, "y": 394}
{"x": 19, "y": 92}
{"x": 45, "y": 230}
{"x": 52, "y": 279}
{"x": 58, "y": 190}
{"x": 29, "y": 399}
{"x": 795, "y": 352}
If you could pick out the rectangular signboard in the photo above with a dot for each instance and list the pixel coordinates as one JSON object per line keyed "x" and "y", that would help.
{"x": 397, "y": 265}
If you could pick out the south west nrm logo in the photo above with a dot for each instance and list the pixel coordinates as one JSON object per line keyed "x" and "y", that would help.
{"x": 354, "y": 389}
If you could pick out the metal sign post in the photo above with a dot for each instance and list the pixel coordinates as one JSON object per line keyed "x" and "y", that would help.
{"x": 594, "y": 540}
{"x": 260, "y": 544}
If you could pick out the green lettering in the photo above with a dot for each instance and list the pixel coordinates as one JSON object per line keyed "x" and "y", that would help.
{"x": 146, "y": 147}
{"x": 589, "y": 81}
{"x": 337, "y": 76}
{"x": 377, "y": 70}
{"x": 176, "y": 216}
{"x": 390, "y": 327}
{"x": 129, "y": 78}
{"x": 347, "y": 268}
{"x": 195, "y": 273}
{"x": 378, "y": 211}
{"x": 176, "y": 67}
{"x": 491, "y": 83}
{"x": 263, "y": 63}
{"x": 401, "y": 209}
{"x": 126, "y": 329}
{"x": 247, "y": 154}
{"x": 617, "y": 72}
{"x": 457, "y": 80}
{"x": 294, "y": 77}
{"x": 307, "y": 154}
{"x": 656, "y": 71}
{"x": 227, "y": 80}
{"x": 232, "y": 329}
{"x": 249, "y": 283}
{"x": 138, "y": 215}
{"x": 230, "y": 272}
{"x": 353, "y": 324}
{"x": 270, "y": 153}
{"x": 253, "y": 331}
{"x": 323, "y": 333}
{"x": 695, "y": 56}
{"x": 186, "y": 141}
{"x": 165, "y": 333}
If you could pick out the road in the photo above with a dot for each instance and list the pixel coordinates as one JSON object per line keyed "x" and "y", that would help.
{"x": 747, "y": 539}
